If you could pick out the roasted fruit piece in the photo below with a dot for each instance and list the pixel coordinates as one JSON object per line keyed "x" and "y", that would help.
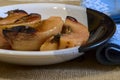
{"x": 22, "y": 38}
{"x": 13, "y": 15}
{"x": 50, "y": 27}
{"x": 32, "y": 20}
{"x": 73, "y": 34}
{"x": 28, "y": 38}
{"x": 51, "y": 44}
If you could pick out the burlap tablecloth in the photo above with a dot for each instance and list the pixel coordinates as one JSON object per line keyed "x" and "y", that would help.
{"x": 83, "y": 68}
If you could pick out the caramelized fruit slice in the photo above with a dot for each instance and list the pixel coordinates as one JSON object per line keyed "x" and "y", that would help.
{"x": 13, "y": 15}
{"x": 74, "y": 34}
{"x": 31, "y": 20}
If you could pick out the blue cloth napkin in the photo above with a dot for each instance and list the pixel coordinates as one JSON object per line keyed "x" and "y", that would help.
{"x": 109, "y": 54}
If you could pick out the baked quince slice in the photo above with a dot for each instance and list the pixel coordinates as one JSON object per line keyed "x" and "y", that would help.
{"x": 27, "y": 38}
{"x": 73, "y": 34}
{"x": 13, "y": 15}
{"x": 31, "y": 20}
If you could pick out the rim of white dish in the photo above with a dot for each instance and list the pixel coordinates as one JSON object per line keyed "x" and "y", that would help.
{"x": 15, "y": 52}
{"x": 60, "y": 51}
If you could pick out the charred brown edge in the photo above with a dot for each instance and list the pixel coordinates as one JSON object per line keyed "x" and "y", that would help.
{"x": 24, "y": 17}
{"x": 19, "y": 29}
{"x": 34, "y": 14}
{"x": 71, "y": 18}
{"x": 16, "y": 11}
{"x": 56, "y": 38}
{"x": 66, "y": 29}
{"x": 1, "y": 18}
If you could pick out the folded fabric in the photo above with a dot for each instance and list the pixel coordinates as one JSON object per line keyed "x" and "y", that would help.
{"x": 109, "y": 54}
{"x": 116, "y": 18}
